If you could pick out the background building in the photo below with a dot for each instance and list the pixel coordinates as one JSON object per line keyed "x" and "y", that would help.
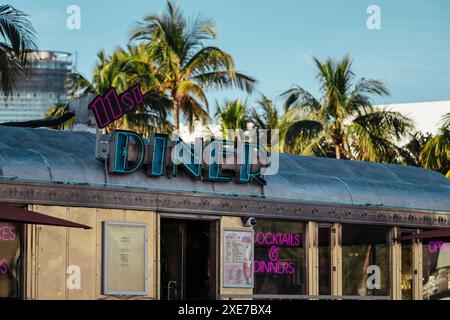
{"x": 426, "y": 115}
{"x": 39, "y": 90}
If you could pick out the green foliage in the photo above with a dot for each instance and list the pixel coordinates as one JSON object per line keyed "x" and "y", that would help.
{"x": 265, "y": 114}
{"x": 17, "y": 44}
{"x": 57, "y": 111}
{"x": 436, "y": 153}
{"x": 187, "y": 65}
{"x": 343, "y": 119}
{"x": 233, "y": 115}
{"x": 123, "y": 69}
{"x": 412, "y": 150}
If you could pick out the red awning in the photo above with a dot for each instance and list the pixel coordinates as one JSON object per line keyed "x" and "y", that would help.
{"x": 438, "y": 234}
{"x": 14, "y": 214}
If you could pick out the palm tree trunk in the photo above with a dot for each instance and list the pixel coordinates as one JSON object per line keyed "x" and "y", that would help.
{"x": 176, "y": 114}
{"x": 338, "y": 151}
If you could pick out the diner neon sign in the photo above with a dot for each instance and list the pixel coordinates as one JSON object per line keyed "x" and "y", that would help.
{"x": 128, "y": 152}
{"x": 276, "y": 240}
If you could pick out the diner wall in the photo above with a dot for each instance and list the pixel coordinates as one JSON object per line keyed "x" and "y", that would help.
{"x": 54, "y": 254}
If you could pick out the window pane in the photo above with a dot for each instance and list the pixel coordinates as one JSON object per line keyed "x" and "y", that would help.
{"x": 324, "y": 261}
{"x": 10, "y": 260}
{"x": 407, "y": 267}
{"x": 365, "y": 253}
{"x": 436, "y": 270}
{"x": 279, "y": 257}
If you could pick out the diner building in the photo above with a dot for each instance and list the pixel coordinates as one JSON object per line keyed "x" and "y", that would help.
{"x": 318, "y": 229}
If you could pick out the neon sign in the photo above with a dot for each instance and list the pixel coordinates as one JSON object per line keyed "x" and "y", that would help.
{"x": 276, "y": 240}
{"x": 3, "y": 266}
{"x": 217, "y": 160}
{"x": 109, "y": 107}
{"x": 7, "y": 233}
{"x": 437, "y": 246}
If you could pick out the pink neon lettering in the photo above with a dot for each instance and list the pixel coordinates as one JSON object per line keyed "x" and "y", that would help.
{"x": 7, "y": 233}
{"x": 437, "y": 246}
{"x": 3, "y": 266}
{"x": 127, "y": 101}
{"x": 137, "y": 94}
{"x": 278, "y": 267}
{"x": 113, "y": 92}
{"x": 278, "y": 239}
{"x": 94, "y": 105}
{"x": 118, "y": 105}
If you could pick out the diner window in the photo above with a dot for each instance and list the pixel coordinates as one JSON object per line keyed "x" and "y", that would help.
{"x": 11, "y": 264}
{"x": 407, "y": 276}
{"x": 279, "y": 258}
{"x": 436, "y": 270}
{"x": 365, "y": 261}
{"x": 325, "y": 259}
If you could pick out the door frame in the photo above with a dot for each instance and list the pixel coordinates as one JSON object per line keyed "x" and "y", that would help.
{"x": 215, "y": 239}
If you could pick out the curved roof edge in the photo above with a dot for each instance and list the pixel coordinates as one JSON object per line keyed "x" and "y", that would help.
{"x": 69, "y": 157}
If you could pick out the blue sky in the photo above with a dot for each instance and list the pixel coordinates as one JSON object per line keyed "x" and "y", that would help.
{"x": 274, "y": 41}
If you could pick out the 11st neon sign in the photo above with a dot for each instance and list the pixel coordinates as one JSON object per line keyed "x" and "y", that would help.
{"x": 110, "y": 106}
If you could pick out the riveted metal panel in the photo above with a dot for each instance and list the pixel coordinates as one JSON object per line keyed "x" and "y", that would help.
{"x": 52, "y": 257}
{"x": 82, "y": 253}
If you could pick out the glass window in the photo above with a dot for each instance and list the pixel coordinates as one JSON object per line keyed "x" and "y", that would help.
{"x": 10, "y": 260}
{"x": 436, "y": 270}
{"x": 407, "y": 267}
{"x": 325, "y": 260}
{"x": 365, "y": 261}
{"x": 279, "y": 257}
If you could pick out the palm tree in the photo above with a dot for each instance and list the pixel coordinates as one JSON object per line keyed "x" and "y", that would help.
{"x": 412, "y": 150}
{"x": 188, "y": 66}
{"x": 58, "y": 111}
{"x": 17, "y": 43}
{"x": 344, "y": 117}
{"x": 108, "y": 72}
{"x": 233, "y": 115}
{"x": 265, "y": 116}
{"x": 121, "y": 70}
{"x": 436, "y": 153}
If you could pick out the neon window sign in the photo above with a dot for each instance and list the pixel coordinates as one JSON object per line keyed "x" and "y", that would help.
{"x": 7, "y": 233}
{"x": 437, "y": 246}
{"x": 3, "y": 267}
{"x": 276, "y": 241}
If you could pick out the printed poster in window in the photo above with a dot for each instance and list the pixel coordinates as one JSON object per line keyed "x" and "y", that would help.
{"x": 238, "y": 258}
{"x": 125, "y": 261}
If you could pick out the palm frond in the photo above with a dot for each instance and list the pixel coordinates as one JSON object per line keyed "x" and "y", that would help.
{"x": 298, "y": 96}
{"x": 209, "y": 59}
{"x": 223, "y": 79}
{"x": 436, "y": 153}
{"x": 17, "y": 45}
{"x": 17, "y": 31}
{"x": 58, "y": 111}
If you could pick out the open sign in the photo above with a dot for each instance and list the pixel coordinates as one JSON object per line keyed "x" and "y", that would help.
{"x": 437, "y": 246}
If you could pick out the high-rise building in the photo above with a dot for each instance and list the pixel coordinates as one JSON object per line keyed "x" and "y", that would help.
{"x": 37, "y": 91}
